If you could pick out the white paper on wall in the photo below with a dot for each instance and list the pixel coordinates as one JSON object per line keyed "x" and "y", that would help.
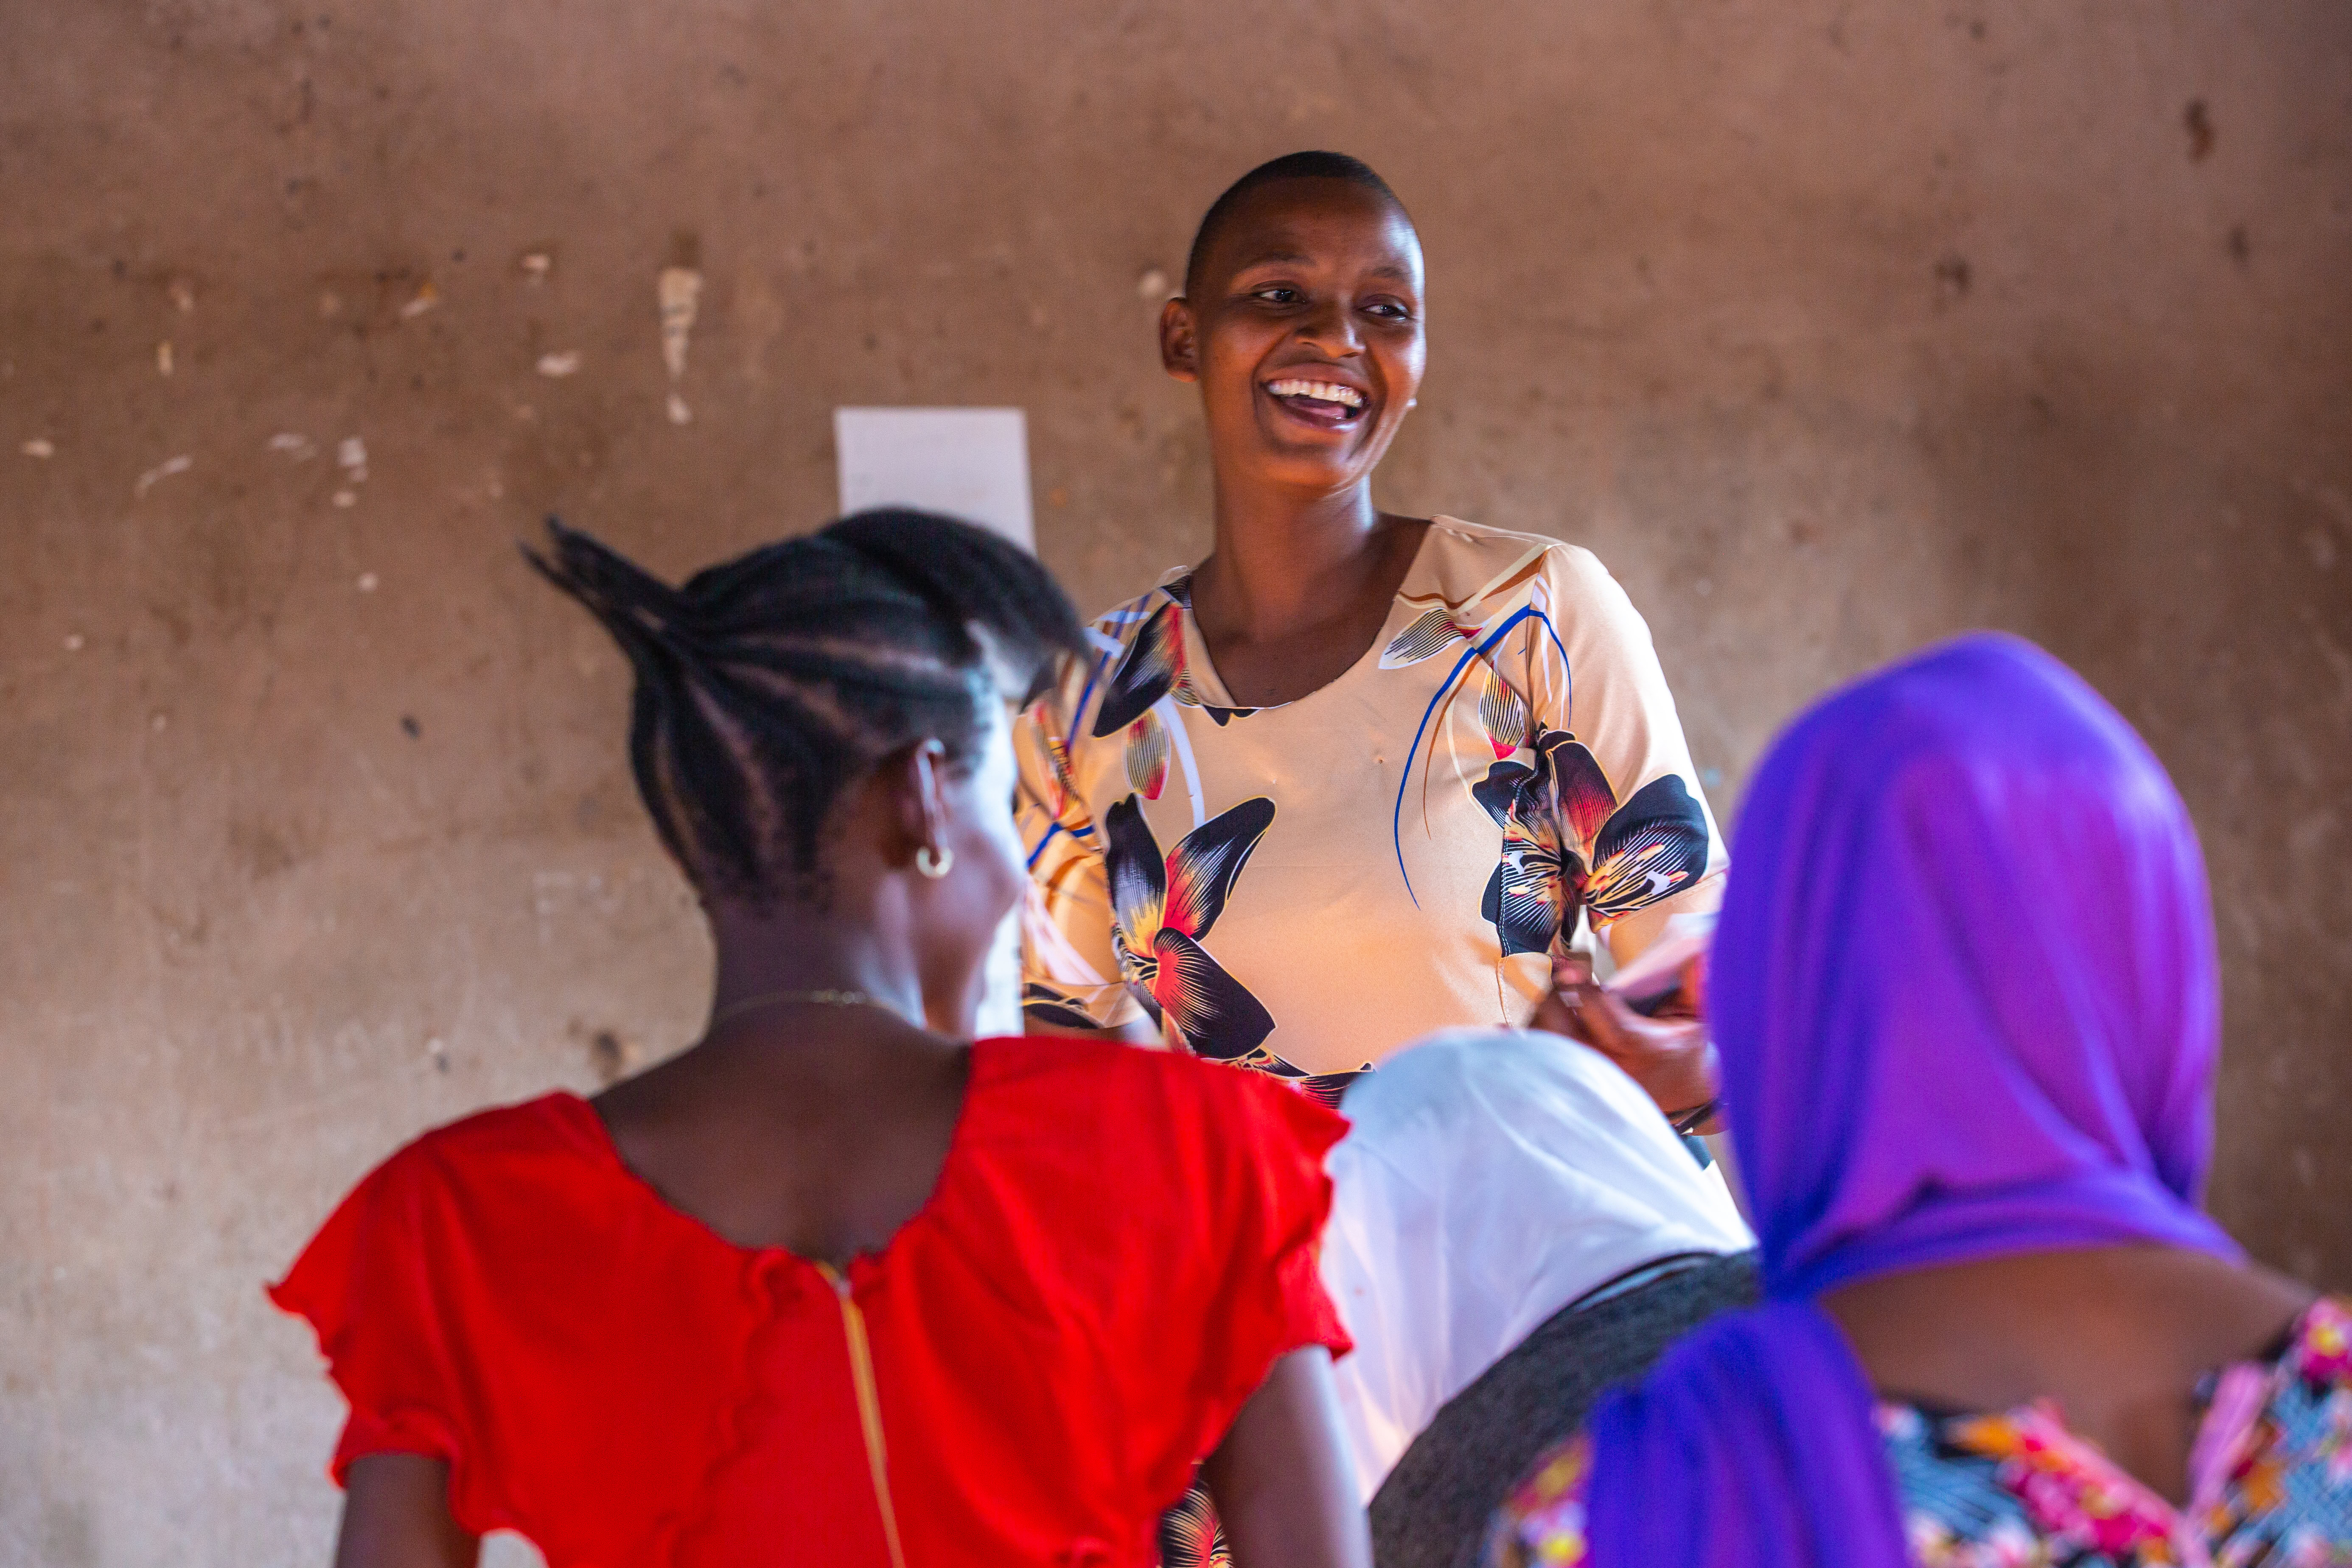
{"x": 1000, "y": 1003}
{"x": 971, "y": 463}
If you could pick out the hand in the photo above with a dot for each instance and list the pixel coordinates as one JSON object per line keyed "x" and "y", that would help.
{"x": 1669, "y": 1056}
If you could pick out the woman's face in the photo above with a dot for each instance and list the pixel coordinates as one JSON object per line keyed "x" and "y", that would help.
{"x": 1304, "y": 333}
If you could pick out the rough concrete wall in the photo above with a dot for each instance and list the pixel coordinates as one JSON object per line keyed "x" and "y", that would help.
{"x": 1832, "y": 326}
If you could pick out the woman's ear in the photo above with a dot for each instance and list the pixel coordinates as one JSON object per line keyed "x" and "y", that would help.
{"x": 1180, "y": 353}
{"x": 924, "y": 809}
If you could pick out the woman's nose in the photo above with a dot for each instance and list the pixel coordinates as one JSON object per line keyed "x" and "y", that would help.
{"x": 1331, "y": 327}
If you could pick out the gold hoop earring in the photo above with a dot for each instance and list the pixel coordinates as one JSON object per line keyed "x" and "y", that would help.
{"x": 934, "y": 863}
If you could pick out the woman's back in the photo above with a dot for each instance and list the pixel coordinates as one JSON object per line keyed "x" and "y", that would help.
{"x": 2120, "y": 1339}
{"x": 613, "y": 1378}
{"x": 831, "y": 1284}
{"x": 2262, "y": 1472}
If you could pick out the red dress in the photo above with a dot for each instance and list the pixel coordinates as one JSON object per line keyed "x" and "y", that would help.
{"x": 1121, "y": 1245}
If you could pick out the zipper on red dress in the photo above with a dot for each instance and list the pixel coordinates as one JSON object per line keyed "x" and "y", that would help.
{"x": 869, "y": 1405}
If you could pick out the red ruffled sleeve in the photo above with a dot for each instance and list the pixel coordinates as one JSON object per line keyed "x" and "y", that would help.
{"x": 366, "y": 1285}
{"x": 1261, "y": 1293}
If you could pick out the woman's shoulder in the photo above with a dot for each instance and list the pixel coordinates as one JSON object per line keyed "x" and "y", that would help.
{"x": 2254, "y": 1485}
{"x": 1093, "y": 1068}
{"x": 495, "y": 1185}
{"x": 552, "y": 1126}
{"x": 1464, "y": 562}
{"x": 491, "y": 1161}
{"x": 1118, "y": 623}
{"x": 1127, "y": 1090}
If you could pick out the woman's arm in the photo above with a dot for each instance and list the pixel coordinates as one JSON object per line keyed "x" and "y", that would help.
{"x": 1281, "y": 1477}
{"x": 397, "y": 1515}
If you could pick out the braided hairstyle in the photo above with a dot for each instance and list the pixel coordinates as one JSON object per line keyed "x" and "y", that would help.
{"x": 768, "y": 684}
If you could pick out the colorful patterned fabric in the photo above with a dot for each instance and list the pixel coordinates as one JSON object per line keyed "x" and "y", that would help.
{"x": 1305, "y": 888}
{"x": 2270, "y": 1479}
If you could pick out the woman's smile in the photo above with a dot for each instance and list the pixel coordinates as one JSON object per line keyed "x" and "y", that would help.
{"x": 1302, "y": 325}
{"x": 1325, "y": 403}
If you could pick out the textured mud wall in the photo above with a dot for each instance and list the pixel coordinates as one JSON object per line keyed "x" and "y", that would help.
{"x": 1832, "y": 326}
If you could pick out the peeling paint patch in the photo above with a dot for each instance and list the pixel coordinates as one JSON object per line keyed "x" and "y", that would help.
{"x": 351, "y": 456}
{"x": 39, "y": 447}
{"x": 300, "y": 447}
{"x": 557, "y": 365}
{"x": 680, "y": 291}
{"x": 164, "y": 357}
{"x": 162, "y": 470}
{"x": 424, "y": 299}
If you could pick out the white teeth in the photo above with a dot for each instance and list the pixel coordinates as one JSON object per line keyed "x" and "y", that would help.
{"x": 1324, "y": 390}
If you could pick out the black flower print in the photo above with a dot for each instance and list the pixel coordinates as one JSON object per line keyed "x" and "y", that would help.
{"x": 1041, "y": 1004}
{"x": 1153, "y": 668}
{"x": 1147, "y": 672}
{"x": 1326, "y": 1087}
{"x": 1654, "y": 844}
{"x": 1547, "y": 810}
{"x": 1164, "y": 907}
{"x": 1190, "y": 1535}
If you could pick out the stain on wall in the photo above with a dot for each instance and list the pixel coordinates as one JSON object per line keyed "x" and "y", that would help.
{"x": 1832, "y": 325}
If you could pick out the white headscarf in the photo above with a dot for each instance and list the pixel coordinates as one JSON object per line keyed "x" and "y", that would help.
{"x": 1493, "y": 1176}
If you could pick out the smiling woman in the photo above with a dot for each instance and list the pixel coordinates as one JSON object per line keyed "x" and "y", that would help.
{"x": 1436, "y": 748}
{"x": 1356, "y": 776}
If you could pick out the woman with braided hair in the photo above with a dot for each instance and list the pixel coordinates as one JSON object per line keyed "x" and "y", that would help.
{"x": 836, "y": 1284}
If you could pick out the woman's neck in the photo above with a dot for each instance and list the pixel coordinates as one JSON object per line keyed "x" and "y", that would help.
{"x": 1281, "y": 559}
{"x": 776, "y": 958}
{"x": 1297, "y": 588}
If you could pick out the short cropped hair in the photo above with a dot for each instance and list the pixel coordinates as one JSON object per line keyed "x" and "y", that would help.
{"x": 1289, "y": 166}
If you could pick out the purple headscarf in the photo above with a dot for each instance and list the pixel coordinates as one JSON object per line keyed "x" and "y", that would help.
{"x": 1965, "y": 992}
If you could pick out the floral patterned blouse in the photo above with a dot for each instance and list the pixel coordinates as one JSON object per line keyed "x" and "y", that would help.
{"x": 2269, "y": 1479}
{"x": 1304, "y": 887}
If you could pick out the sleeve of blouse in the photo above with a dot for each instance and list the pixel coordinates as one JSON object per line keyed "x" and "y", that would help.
{"x": 1274, "y": 1200}
{"x": 1627, "y": 797}
{"x": 364, "y": 1285}
{"x": 1069, "y": 971}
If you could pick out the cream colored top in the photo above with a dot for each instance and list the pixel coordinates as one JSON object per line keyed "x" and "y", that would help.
{"x": 1305, "y": 888}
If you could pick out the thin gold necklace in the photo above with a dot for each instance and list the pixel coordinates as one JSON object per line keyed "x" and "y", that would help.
{"x": 824, "y": 998}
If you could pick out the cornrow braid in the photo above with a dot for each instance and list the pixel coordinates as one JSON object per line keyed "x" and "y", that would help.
{"x": 768, "y": 684}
